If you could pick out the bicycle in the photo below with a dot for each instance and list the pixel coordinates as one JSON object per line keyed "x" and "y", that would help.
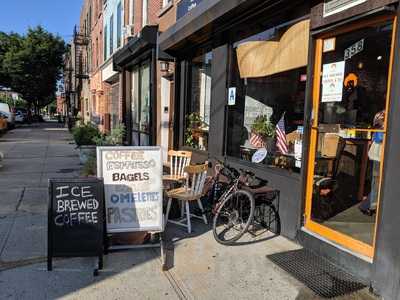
{"x": 241, "y": 204}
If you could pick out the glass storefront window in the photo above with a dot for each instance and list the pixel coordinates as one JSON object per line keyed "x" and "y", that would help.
{"x": 362, "y": 90}
{"x": 349, "y": 135}
{"x": 198, "y": 106}
{"x": 265, "y": 124}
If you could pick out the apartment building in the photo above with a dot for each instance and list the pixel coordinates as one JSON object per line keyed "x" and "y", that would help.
{"x": 113, "y": 40}
{"x": 97, "y": 101}
{"x": 83, "y": 55}
{"x": 146, "y": 89}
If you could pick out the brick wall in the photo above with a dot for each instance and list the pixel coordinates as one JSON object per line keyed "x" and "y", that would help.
{"x": 97, "y": 34}
{"x": 167, "y": 17}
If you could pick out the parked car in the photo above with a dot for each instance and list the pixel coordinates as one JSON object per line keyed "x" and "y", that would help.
{"x": 20, "y": 115}
{"x": 3, "y": 122}
{"x": 5, "y": 108}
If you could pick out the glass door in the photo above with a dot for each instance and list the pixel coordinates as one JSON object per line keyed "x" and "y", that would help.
{"x": 350, "y": 105}
{"x": 141, "y": 106}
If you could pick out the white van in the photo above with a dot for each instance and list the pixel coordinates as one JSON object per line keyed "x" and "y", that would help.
{"x": 5, "y": 108}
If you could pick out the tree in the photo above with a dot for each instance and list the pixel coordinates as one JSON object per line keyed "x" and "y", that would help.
{"x": 34, "y": 66}
{"x": 7, "y": 41}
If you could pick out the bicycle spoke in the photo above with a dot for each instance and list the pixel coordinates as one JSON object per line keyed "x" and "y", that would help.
{"x": 233, "y": 217}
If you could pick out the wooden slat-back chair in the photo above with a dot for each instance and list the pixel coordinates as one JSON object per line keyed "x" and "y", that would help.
{"x": 192, "y": 191}
{"x": 178, "y": 160}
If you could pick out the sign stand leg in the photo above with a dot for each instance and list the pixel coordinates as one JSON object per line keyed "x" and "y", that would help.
{"x": 100, "y": 262}
{"x": 49, "y": 263}
{"x": 162, "y": 252}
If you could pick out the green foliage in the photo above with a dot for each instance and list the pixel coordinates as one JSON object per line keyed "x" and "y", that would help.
{"x": 263, "y": 126}
{"x": 90, "y": 167}
{"x": 193, "y": 122}
{"x": 11, "y": 101}
{"x": 86, "y": 134}
{"x": 113, "y": 139}
{"x": 8, "y": 42}
{"x": 31, "y": 64}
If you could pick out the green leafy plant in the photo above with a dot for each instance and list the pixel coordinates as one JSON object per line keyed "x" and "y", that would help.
{"x": 263, "y": 127}
{"x": 90, "y": 166}
{"x": 193, "y": 122}
{"x": 113, "y": 139}
{"x": 85, "y": 134}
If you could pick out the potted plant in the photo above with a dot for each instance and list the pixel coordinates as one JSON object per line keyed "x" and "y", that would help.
{"x": 194, "y": 130}
{"x": 84, "y": 136}
{"x": 262, "y": 133}
{"x": 115, "y": 137}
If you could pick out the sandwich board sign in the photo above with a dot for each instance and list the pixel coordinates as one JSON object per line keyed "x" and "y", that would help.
{"x": 75, "y": 219}
{"x": 132, "y": 188}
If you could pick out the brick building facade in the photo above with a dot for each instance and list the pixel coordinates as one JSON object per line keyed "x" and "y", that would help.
{"x": 110, "y": 26}
{"x": 97, "y": 102}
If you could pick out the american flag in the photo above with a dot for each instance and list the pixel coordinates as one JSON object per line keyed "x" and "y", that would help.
{"x": 281, "y": 136}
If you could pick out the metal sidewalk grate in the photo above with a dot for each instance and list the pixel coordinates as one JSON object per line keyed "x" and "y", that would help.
{"x": 321, "y": 276}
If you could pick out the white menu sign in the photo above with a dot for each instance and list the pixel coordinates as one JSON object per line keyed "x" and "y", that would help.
{"x": 332, "y": 82}
{"x": 132, "y": 187}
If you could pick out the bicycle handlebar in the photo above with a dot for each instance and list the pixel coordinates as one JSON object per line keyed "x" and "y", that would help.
{"x": 232, "y": 172}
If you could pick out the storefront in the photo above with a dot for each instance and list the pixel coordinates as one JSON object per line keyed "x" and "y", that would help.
{"x": 304, "y": 94}
{"x": 136, "y": 63}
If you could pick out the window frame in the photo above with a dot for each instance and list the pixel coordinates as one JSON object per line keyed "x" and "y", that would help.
{"x": 166, "y": 3}
{"x": 188, "y": 95}
{"x": 111, "y": 37}
{"x": 145, "y": 13}
{"x": 336, "y": 237}
{"x": 231, "y": 83}
{"x": 105, "y": 40}
{"x": 119, "y": 24}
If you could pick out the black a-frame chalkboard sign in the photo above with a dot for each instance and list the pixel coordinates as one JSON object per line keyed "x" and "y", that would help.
{"x": 75, "y": 219}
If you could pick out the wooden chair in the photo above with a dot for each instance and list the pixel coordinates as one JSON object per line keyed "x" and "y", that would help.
{"x": 178, "y": 160}
{"x": 192, "y": 191}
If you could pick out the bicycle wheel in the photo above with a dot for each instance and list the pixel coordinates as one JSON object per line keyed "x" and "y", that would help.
{"x": 233, "y": 217}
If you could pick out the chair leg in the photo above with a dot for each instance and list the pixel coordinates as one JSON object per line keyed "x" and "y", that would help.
{"x": 202, "y": 211}
{"x": 188, "y": 217}
{"x": 182, "y": 203}
{"x": 167, "y": 212}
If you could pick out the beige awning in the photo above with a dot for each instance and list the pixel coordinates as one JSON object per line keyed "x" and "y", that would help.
{"x": 263, "y": 58}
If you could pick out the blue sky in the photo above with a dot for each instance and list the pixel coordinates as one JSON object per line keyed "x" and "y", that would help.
{"x": 57, "y": 16}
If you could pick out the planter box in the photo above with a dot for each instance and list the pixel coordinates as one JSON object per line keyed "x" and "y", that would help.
{"x": 85, "y": 152}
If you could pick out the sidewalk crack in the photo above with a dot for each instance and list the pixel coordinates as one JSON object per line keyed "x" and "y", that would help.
{"x": 14, "y": 217}
{"x": 21, "y": 197}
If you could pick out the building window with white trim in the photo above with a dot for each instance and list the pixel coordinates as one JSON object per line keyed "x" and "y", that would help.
{"x": 165, "y": 3}
{"x": 145, "y": 9}
{"x": 105, "y": 43}
{"x": 131, "y": 13}
{"x": 119, "y": 24}
{"x": 111, "y": 34}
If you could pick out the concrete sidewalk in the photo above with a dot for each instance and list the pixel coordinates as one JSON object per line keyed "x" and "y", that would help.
{"x": 199, "y": 267}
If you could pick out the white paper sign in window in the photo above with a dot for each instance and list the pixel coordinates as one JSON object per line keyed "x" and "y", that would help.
{"x": 332, "y": 82}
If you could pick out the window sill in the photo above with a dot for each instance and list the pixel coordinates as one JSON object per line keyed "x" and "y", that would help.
{"x": 202, "y": 154}
{"x": 165, "y": 9}
{"x": 264, "y": 168}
